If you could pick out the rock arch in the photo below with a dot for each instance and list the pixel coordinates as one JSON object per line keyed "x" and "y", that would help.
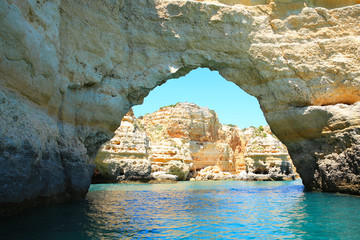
{"x": 70, "y": 70}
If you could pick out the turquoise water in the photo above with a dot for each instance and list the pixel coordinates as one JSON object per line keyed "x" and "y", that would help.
{"x": 193, "y": 210}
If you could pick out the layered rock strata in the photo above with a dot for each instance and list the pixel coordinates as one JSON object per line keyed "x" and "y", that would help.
{"x": 186, "y": 140}
{"x": 188, "y": 133}
{"x": 125, "y": 156}
{"x": 191, "y": 134}
{"x": 265, "y": 154}
{"x": 69, "y": 70}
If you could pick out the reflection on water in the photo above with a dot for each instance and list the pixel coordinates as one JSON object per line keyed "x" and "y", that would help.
{"x": 194, "y": 210}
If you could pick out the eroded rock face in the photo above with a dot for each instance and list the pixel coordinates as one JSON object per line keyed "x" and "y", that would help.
{"x": 188, "y": 133}
{"x": 69, "y": 70}
{"x": 326, "y": 155}
{"x": 201, "y": 148}
{"x": 183, "y": 120}
{"x": 177, "y": 168}
{"x": 213, "y": 173}
{"x": 125, "y": 156}
{"x": 265, "y": 154}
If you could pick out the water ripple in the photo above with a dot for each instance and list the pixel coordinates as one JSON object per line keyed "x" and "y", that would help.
{"x": 194, "y": 210}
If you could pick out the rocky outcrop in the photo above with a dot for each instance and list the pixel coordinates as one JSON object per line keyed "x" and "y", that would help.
{"x": 163, "y": 176}
{"x": 202, "y": 148}
{"x": 182, "y": 120}
{"x": 188, "y": 133}
{"x": 326, "y": 159}
{"x": 233, "y": 136}
{"x": 69, "y": 70}
{"x": 118, "y": 170}
{"x": 125, "y": 156}
{"x": 213, "y": 173}
{"x": 265, "y": 154}
{"x": 176, "y": 168}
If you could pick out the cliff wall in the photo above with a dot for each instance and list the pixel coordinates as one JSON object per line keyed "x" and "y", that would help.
{"x": 125, "y": 156}
{"x": 192, "y": 137}
{"x": 69, "y": 70}
{"x": 265, "y": 153}
{"x": 192, "y": 134}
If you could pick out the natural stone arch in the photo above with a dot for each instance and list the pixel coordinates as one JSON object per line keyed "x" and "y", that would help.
{"x": 71, "y": 70}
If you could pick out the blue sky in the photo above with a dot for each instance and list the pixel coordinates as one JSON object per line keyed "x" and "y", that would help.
{"x": 206, "y": 88}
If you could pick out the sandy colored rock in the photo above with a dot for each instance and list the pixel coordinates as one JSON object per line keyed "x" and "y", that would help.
{"x": 188, "y": 133}
{"x": 70, "y": 70}
{"x": 237, "y": 142}
{"x": 201, "y": 142}
{"x": 213, "y": 173}
{"x": 125, "y": 156}
{"x": 177, "y": 168}
{"x": 265, "y": 154}
{"x": 263, "y": 158}
{"x": 117, "y": 170}
{"x": 183, "y": 120}
{"x": 164, "y": 176}
{"x": 230, "y": 150}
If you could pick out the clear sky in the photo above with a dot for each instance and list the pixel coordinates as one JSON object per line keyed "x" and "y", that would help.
{"x": 206, "y": 88}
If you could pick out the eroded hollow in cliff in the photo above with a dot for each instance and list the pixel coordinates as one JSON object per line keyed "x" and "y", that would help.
{"x": 199, "y": 127}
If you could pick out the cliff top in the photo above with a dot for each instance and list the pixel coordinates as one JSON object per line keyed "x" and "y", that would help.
{"x": 311, "y": 3}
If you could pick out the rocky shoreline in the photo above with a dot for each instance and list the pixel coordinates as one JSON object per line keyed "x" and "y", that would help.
{"x": 185, "y": 142}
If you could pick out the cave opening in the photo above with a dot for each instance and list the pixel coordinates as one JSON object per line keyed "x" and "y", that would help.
{"x": 206, "y": 88}
{"x": 194, "y": 127}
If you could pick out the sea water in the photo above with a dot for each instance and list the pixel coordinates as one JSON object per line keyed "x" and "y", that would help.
{"x": 193, "y": 210}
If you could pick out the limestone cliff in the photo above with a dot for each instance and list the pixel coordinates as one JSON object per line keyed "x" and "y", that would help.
{"x": 187, "y": 140}
{"x": 189, "y": 133}
{"x": 125, "y": 156}
{"x": 265, "y": 154}
{"x": 70, "y": 70}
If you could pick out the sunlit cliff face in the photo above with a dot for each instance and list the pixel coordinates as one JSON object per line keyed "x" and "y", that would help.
{"x": 312, "y": 3}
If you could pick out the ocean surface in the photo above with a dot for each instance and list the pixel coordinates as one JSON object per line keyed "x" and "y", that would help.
{"x": 193, "y": 210}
